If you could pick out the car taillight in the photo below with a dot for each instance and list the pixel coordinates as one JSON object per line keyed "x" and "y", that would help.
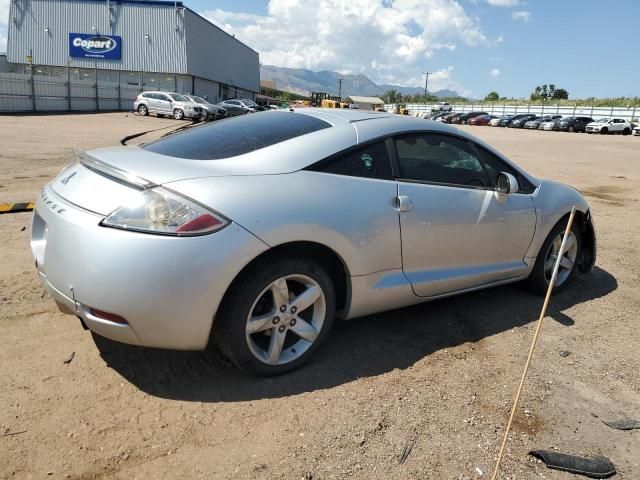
{"x": 162, "y": 211}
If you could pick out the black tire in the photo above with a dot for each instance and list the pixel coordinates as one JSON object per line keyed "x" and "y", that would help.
{"x": 143, "y": 111}
{"x": 571, "y": 129}
{"x": 627, "y": 131}
{"x": 538, "y": 281}
{"x": 178, "y": 114}
{"x": 229, "y": 330}
{"x": 604, "y": 131}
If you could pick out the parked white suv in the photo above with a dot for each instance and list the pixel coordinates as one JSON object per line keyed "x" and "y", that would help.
{"x": 167, "y": 104}
{"x": 443, "y": 107}
{"x": 609, "y": 125}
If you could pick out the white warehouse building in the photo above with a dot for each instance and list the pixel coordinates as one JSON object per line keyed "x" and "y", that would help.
{"x": 99, "y": 54}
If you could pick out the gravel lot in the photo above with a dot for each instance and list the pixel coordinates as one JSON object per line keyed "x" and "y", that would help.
{"x": 438, "y": 376}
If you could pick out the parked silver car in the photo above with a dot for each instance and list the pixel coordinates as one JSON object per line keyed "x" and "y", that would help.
{"x": 237, "y": 106}
{"x": 257, "y": 231}
{"x": 167, "y": 104}
{"x": 210, "y": 110}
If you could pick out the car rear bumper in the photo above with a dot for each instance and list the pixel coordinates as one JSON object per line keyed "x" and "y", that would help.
{"x": 168, "y": 289}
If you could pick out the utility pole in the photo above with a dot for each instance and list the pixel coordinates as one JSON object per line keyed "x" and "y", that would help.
{"x": 426, "y": 84}
{"x": 340, "y": 88}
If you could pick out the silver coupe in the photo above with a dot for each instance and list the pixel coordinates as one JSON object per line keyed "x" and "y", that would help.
{"x": 256, "y": 232}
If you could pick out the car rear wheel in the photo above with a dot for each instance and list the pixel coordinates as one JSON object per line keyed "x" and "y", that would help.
{"x": 626, "y": 131}
{"x": 143, "y": 111}
{"x": 178, "y": 114}
{"x": 545, "y": 263}
{"x": 276, "y": 316}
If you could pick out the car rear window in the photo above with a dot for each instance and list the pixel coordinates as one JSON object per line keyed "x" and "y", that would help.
{"x": 236, "y": 136}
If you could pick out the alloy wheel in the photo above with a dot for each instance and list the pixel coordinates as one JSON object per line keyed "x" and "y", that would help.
{"x": 567, "y": 261}
{"x": 286, "y": 319}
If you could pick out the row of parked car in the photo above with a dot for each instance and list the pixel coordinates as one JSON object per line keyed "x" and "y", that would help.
{"x": 540, "y": 122}
{"x": 181, "y": 106}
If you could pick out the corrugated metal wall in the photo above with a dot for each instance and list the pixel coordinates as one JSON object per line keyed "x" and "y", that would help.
{"x": 215, "y": 55}
{"x": 163, "y": 51}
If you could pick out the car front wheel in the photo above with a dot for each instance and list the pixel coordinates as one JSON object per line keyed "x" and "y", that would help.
{"x": 543, "y": 269}
{"x": 604, "y": 131}
{"x": 178, "y": 114}
{"x": 276, "y": 316}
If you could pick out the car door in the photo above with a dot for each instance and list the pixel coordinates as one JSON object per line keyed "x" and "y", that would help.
{"x": 151, "y": 101}
{"x": 164, "y": 104}
{"x": 617, "y": 125}
{"x": 457, "y": 231}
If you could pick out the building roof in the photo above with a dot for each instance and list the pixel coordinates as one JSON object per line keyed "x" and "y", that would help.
{"x": 371, "y": 100}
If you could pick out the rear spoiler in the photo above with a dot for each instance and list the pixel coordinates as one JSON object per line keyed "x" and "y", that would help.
{"x": 116, "y": 173}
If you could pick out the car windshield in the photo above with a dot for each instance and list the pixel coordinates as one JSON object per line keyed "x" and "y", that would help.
{"x": 248, "y": 102}
{"x": 237, "y": 136}
{"x": 200, "y": 100}
{"x": 178, "y": 98}
{"x": 602, "y": 120}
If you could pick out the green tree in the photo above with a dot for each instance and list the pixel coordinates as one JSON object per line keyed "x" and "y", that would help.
{"x": 492, "y": 97}
{"x": 545, "y": 91}
{"x": 560, "y": 94}
{"x": 392, "y": 96}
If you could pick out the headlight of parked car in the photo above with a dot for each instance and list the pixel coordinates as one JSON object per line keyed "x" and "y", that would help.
{"x": 162, "y": 211}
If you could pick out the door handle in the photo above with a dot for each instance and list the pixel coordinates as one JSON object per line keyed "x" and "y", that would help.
{"x": 403, "y": 203}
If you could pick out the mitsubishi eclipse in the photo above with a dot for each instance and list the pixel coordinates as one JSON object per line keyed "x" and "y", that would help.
{"x": 256, "y": 232}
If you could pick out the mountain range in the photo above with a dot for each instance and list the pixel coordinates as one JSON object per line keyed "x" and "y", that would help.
{"x": 302, "y": 82}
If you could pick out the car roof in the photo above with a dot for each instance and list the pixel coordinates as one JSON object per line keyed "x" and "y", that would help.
{"x": 350, "y": 128}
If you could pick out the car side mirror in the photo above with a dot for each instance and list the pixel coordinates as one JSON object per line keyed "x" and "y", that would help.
{"x": 507, "y": 183}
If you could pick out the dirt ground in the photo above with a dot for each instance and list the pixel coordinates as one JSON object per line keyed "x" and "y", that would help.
{"x": 439, "y": 377}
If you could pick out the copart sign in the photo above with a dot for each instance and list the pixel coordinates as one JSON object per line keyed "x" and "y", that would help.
{"x": 82, "y": 45}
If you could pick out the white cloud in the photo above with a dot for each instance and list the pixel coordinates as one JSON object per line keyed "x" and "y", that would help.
{"x": 521, "y": 15}
{"x": 504, "y": 3}
{"x": 4, "y": 18}
{"x": 390, "y": 41}
{"x": 495, "y": 73}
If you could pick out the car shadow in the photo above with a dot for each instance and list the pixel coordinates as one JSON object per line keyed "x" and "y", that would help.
{"x": 358, "y": 348}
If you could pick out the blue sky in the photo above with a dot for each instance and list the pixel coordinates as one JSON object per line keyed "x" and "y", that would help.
{"x": 472, "y": 46}
{"x": 509, "y": 46}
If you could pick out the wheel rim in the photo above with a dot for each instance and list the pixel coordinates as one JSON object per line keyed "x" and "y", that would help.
{"x": 178, "y": 115}
{"x": 567, "y": 261}
{"x": 142, "y": 110}
{"x": 571, "y": 128}
{"x": 285, "y": 319}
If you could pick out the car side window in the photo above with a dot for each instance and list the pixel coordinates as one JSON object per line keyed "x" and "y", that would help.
{"x": 493, "y": 166}
{"x": 160, "y": 96}
{"x": 436, "y": 158}
{"x": 371, "y": 161}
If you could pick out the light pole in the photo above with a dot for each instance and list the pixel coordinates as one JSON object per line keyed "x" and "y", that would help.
{"x": 340, "y": 88}
{"x": 426, "y": 84}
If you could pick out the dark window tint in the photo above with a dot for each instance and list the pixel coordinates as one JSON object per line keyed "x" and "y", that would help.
{"x": 371, "y": 161}
{"x": 440, "y": 159}
{"x": 236, "y": 136}
{"x": 161, "y": 96}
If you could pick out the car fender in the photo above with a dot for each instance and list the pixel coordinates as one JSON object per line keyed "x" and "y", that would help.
{"x": 354, "y": 218}
{"x": 553, "y": 201}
